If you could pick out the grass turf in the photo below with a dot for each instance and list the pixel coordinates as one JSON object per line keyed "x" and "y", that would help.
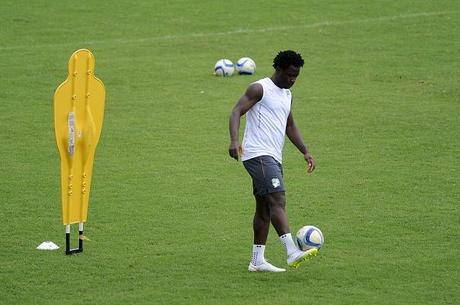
{"x": 170, "y": 212}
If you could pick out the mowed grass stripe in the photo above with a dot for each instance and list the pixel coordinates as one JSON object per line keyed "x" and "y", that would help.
{"x": 120, "y": 41}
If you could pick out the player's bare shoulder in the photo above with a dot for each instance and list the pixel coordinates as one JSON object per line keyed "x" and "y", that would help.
{"x": 251, "y": 96}
{"x": 254, "y": 92}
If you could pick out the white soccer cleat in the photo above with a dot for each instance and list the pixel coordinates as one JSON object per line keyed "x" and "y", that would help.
{"x": 264, "y": 267}
{"x": 298, "y": 257}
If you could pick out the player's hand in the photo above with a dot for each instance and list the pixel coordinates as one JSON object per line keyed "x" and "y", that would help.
{"x": 310, "y": 162}
{"x": 235, "y": 150}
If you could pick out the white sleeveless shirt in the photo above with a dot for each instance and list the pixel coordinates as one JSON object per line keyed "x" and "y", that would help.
{"x": 266, "y": 123}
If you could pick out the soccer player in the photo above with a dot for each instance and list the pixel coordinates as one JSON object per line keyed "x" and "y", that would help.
{"x": 267, "y": 105}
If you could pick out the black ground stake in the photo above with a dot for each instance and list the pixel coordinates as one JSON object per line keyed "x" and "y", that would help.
{"x": 68, "y": 250}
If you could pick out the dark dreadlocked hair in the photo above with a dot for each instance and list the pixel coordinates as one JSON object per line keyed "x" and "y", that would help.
{"x": 284, "y": 59}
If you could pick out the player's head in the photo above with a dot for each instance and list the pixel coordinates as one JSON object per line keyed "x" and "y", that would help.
{"x": 287, "y": 66}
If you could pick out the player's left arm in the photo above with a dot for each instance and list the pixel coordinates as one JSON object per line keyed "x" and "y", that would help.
{"x": 295, "y": 137}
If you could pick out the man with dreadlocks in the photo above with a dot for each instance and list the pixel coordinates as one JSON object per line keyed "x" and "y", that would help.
{"x": 267, "y": 105}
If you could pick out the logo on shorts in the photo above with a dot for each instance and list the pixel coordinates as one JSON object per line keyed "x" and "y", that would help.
{"x": 275, "y": 182}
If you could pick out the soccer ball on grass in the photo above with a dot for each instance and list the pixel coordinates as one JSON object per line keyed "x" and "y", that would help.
{"x": 224, "y": 67}
{"x": 245, "y": 65}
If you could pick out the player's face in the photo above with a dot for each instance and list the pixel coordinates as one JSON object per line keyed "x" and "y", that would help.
{"x": 288, "y": 76}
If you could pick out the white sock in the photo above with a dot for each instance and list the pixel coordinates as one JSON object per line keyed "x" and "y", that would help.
{"x": 258, "y": 254}
{"x": 288, "y": 243}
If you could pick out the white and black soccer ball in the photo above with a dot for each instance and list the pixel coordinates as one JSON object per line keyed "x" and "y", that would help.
{"x": 224, "y": 67}
{"x": 245, "y": 66}
{"x": 309, "y": 237}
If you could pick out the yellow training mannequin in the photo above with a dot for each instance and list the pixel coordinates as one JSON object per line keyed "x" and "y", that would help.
{"x": 78, "y": 115}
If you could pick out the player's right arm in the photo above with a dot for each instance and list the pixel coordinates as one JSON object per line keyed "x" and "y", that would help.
{"x": 252, "y": 95}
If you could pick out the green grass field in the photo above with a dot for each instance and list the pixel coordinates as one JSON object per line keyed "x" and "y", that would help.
{"x": 170, "y": 213}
